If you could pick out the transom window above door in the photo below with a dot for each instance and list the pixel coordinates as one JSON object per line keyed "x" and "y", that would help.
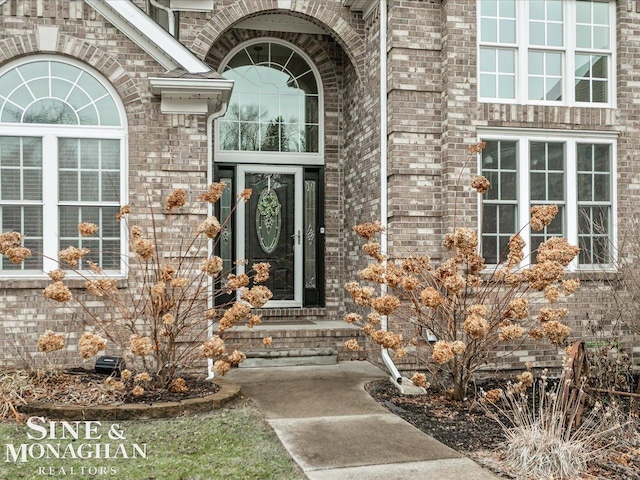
{"x": 275, "y": 105}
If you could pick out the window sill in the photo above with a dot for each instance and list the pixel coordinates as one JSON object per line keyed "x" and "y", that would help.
{"x": 43, "y": 282}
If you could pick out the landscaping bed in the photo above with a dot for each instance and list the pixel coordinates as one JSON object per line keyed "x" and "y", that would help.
{"x": 467, "y": 427}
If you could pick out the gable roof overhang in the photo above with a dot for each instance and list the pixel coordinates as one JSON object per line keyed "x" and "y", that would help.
{"x": 189, "y": 86}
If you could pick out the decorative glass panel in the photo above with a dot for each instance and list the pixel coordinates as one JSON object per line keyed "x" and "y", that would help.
{"x": 310, "y": 229}
{"x": 226, "y": 236}
{"x": 274, "y": 104}
{"x": 268, "y": 219}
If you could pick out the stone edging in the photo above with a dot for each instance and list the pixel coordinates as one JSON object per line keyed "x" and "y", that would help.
{"x": 134, "y": 411}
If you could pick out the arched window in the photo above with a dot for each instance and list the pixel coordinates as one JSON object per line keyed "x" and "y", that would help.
{"x": 275, "y": 105}
{"x": 62, "y": 157}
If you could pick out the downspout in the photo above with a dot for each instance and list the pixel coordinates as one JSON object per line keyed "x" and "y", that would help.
{"x": 386, "y": 358}
{"x": 170, "y": 14}
{"x": 210, "y": 119}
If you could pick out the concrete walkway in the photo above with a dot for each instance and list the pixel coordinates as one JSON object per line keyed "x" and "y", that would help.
{"x": 334, "y": 430}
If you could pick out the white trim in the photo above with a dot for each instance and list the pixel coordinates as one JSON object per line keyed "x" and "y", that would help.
{"x": 298, "y": 158}
{"x": 570, "y": 139}
{"x": 298, "y": 227}
{"x": 192, "y": 95}
{"x": 521, "y": 47}
{"x": 191, "y": 5}
{"x": 148, "y": 35}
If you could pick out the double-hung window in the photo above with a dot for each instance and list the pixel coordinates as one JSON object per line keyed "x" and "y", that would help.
{"x": 62, "y": 158}
{"x": 574, "y": 172}
{"x": 556, "y": 52}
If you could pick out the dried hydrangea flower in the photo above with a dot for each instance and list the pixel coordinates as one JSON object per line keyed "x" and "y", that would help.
{"x": 142, "y": 377}
{"x": 235, "y": 282}
{"x": 373, "y": 249}
{"x": 50, "y": 342}
{"x": 352, "y": 345}
{"x": 400, "y": 353}
{"x": 212, "y": 266}
{"x": 557, "y": 250}
{"x": 386, "y": 339}
{"x": 518, "y": 308}
{"x": 245, "y": 195}
{"x": 176, "y": 199}
{"x": 267, "y": 341}
{"x": 179, "y": 282}
{"x": 168, "y": 319}
{"x": 431, "y": 297}
{"x": 210, "y": 227}
{"x": 480, "y": 184}
{"x": 352, "y": 317}
{"x": 510, "y": 332}
{"x": 256, "y": 296}
{"x": 137, "y": 391}
{"x": 454, "y": 284}
{"x": 16, "y": 255}
{"x": 178, "y": 385}
{"x": 492, "y": 396}
{"x": 143, "y": 248}
{"x": 135, "y": 232}
{"x": 479, "y": 309}
{"x": 555, "y": 331}
{"x": 476, "y": 148}
{"x": 254, "y": 321}
{"x": 442, "y": 352}
{"x": 90, "y": 344}
{"x": 158, "y": 289}
{"x": 166, "y": 272}
{"x": 526, "y": 378}
{"x": 373, "y": 273}
{"x": 543, "y": 274}
{"x": 236, "y": 358}
{"x": 262, "y": 272}
{"x": 420, "y": 380}
{"x": 56, "y": 275}
{"x": 126, "y": 374}
{"x": 87, "y": 229}
{"x": 360, "y": 295}
{"x": 385, "y": 304}
{"x": 551, "y": 294}
{"x": 417, "y": 264}
{"x": 101, "y": 286}
{"x": 71, "y": 255}
{"x": 368, "y": 230}
{"x": 213, "y": 194}
{"x": 466, "y": 241}
{"x": 58, "y": 292}
{"x": 476, "y": 326}
{"x": 124, "y": 210}
{"x": 9, "y": 240}
{"x": 141, "y": 346}
{"x": 516, "y": 250}
{"x": 374, "y": 318}
{"x": 570, "y": 286}
{"x": 233, "y": 315}
{"x": 221, "y": 367}
{"x": 458, "y": 347}
{"x": 542, "y": 215}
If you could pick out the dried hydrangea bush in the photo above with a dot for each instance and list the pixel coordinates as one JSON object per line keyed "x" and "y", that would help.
{"x": 161, "y": 321}
{"x": 472, "y": 310}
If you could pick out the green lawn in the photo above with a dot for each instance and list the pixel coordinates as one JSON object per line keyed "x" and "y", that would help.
{"x": 233, "y": 443}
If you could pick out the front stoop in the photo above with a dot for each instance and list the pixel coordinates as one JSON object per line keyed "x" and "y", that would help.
{"x": 296, "y": 343}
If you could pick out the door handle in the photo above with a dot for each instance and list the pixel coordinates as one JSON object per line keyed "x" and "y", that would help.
{"x": 297, "y": 236}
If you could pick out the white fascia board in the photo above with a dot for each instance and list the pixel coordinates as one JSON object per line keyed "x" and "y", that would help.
{"x": 192, "y": 95}
{"x": 148, "y": 35}
{"x": 191, "y": 5}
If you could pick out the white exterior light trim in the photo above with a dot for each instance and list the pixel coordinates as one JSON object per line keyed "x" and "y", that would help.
{"x": 192, "y": 95}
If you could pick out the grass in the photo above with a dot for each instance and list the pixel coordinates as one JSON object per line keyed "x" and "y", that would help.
{"x": 232, "y": 443}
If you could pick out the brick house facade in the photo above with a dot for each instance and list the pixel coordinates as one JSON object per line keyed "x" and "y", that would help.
{"x": 450, "y": 82}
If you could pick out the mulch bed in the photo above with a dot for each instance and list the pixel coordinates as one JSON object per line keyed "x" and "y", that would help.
{"x": 467, "y": 427}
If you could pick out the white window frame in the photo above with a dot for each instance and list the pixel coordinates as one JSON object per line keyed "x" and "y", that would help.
{"x": 568, "y": 51}
{"x": 50, "y": 203}
{"x": 523, "y": 137}
{"x": 274, "y": 158}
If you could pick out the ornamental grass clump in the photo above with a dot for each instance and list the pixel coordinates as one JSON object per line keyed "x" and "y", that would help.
{"x": 543, "y": 436}
{"x": 161, "y": 321}
{"x": 472, "y": 310}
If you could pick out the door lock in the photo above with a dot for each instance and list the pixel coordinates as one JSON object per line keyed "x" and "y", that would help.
{"x": 297, "y": 236}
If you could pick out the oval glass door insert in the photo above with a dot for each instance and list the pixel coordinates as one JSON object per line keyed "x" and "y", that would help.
{"x": 268, "y": 220}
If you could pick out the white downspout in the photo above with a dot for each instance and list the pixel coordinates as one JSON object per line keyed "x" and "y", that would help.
{"x": 170, "y": 14}
{"x": 210, "y": 119}
{"x": 386, "y": 358}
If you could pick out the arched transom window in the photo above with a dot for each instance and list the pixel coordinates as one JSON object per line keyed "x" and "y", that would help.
{"x": 275, "y": 102}
{"x": 62, "y": 158}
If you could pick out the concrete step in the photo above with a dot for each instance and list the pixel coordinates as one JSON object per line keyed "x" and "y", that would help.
{"x": 290, "y": 357}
